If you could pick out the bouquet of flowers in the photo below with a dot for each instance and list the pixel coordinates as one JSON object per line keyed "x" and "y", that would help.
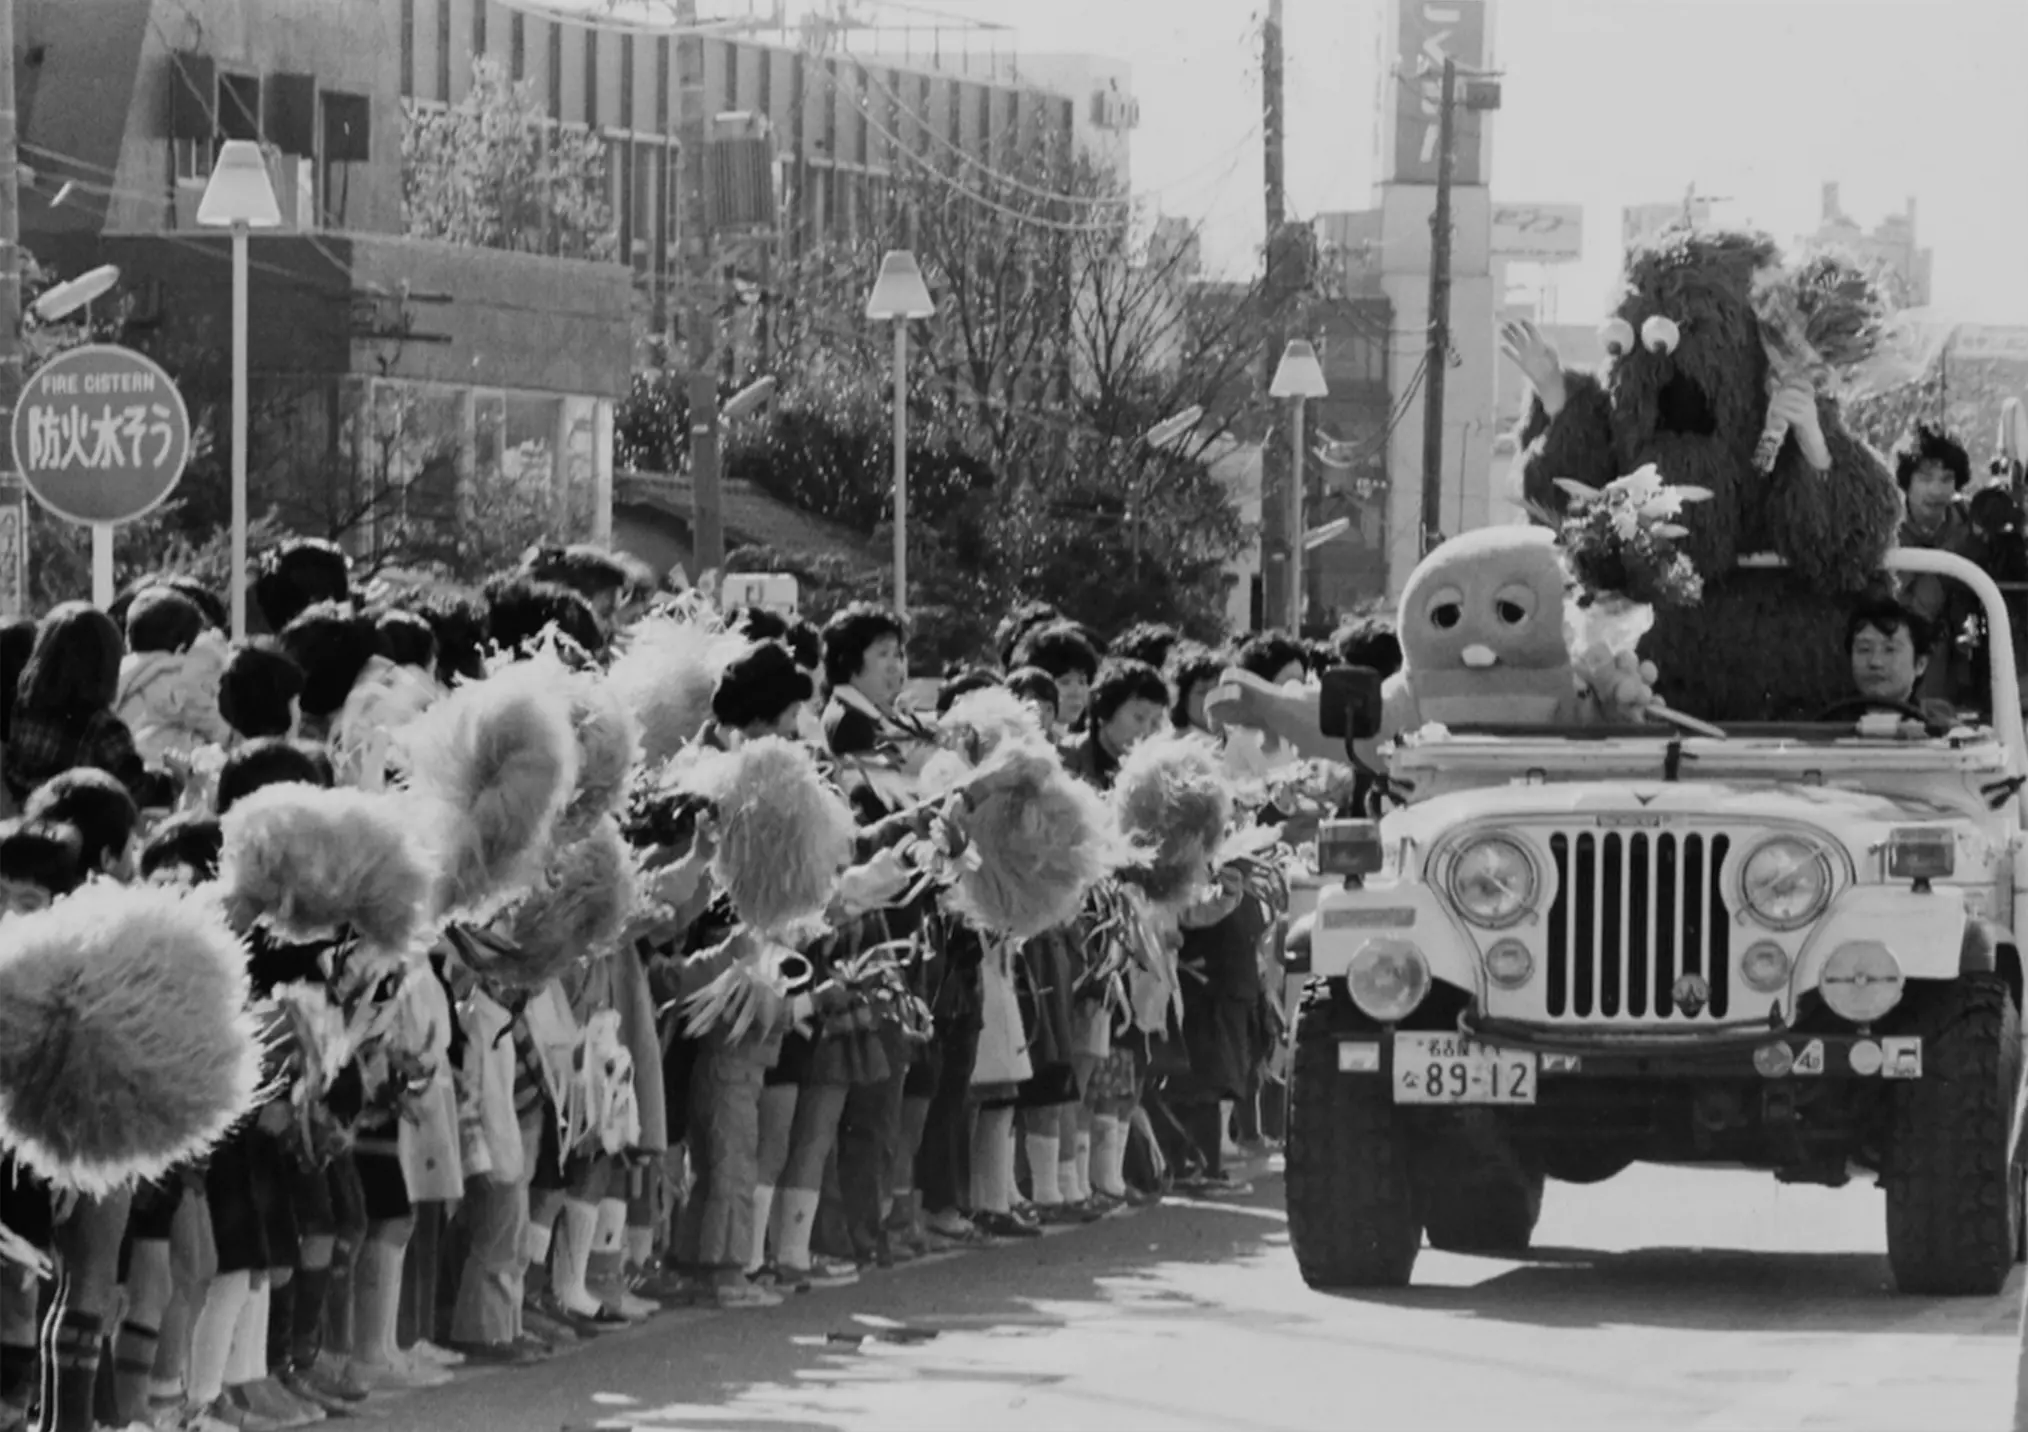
{"x": 1821, "y": 324}
{"x": 1620, "y": 541}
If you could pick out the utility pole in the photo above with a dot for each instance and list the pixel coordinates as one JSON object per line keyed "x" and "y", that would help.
{"x": 13, "y": 493}
{"x": 700, "y": 315}
{"x": 1276, "y": 470}
{"x": 1438, "y": 358}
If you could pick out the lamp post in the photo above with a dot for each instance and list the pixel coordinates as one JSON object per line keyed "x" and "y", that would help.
{"x": 899, "y": 294}
{"x": 1172, "y": 429}
{"x": 1299, "y": 377}
{"x": 239, "y": 197}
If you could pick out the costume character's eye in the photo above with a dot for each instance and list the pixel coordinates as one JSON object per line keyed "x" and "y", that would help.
{"x": 1514, "y": 605}
{"x": 1616, "y": 336}
{"x": 1660, "y": 334}
{"x": 1446, "y": 608}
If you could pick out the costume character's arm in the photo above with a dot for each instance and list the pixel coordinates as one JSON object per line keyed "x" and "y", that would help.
{"x": 1575, "y": 442}
{"x": 1290, "y": 712}
{"x": 1832, "y": 526}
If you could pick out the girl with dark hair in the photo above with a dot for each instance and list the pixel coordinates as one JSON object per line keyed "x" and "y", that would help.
{"x": 63, "y": 706}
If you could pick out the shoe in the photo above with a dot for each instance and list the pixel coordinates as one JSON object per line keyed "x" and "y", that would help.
{"x": 1110, "y": 1205}
{"x": 265, "y": 1398}
{"x": 537, "y": 1323}
{"x": 398, "y": 1377}
{"x": 1004, "y": 1225}
{"x": 493, "y": 1354}
{"x": 665, "y": 1286}
{"x": 331, "y": 1375}
{"x": 277, "y": 1391}
{"x": 823, "y": 1272}
{"x": 638, "y": 1309}
{"x": 534, "y": 1348}
{"x": 239, "y": 1416}
{"x": 746, "y": 1295}
{"x": 1063, "y": 1215}
{"x": 950, "y": 1223}
{"x": 184, "y": 1417}
{"x": 427, "y": 1351}
{"x": 1222, "y": 1184}
{"x": 303, "y": 1389}
{"x": 584, "y": 1325}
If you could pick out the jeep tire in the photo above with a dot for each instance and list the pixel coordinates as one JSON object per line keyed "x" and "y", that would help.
{"x": 1491, "y": 1210}
{"x": 1953, "y": 1214}
{"x": 1350, "y": 1186}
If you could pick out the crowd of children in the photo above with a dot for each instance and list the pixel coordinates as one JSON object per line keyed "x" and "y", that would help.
{"x": 597, "y": 952}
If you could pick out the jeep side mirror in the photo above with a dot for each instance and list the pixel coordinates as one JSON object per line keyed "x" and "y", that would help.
{"x": 1351, "y": 705}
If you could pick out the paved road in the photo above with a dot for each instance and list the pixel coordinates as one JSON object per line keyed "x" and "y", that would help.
{"x": 1677, "y": 1299}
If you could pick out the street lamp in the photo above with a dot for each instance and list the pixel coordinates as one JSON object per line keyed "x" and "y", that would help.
{"x": 1165, "y": 434}
{"x": 64, "y": 299}
{"x": 239, "y": 197}
{"x": 747, "y": 401}
{"x": 899, "y": 294}
{"x": 1299, "y": 377}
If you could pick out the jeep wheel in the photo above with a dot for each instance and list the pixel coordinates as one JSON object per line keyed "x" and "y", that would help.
{"x": 1953, "y": 1215}
{"x": 1494, "y": 1212}
{"x": 1350, "y": 1191}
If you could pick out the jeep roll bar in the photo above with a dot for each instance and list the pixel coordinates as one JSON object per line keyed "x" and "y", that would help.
{"x": 2006, "y": 681}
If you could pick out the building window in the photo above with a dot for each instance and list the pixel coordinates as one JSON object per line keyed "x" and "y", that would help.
{"x": 664, "y": 58}
{"x": 239, "y": 107}
{"x": 553, "y": 36}
{"x": 408, "y": 49}
{"x": 192, "y": 159}
{"x": 517, "y": 46}
{"x": 591, "y": 77}
{"x": 646, "y": 163}
{"x": 478, "y": 28}
{"x": 444, "y": 50}
{"x": 627, "y": 82}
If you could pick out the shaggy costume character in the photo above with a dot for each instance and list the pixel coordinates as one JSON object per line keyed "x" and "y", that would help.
{"x": 1685, "y": 386}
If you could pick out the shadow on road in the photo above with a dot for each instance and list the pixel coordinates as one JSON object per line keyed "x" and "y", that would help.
{"x": 1694, "y": 1289}
{"x": 847, "y": 1357}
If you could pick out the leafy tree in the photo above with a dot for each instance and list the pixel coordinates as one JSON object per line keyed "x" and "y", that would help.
{"x": 492, "y": 171}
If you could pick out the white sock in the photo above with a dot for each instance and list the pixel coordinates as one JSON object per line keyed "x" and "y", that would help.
{"x": 640, "y": 1245}
{"x": 248, "y": 1360}
{"x": 799, "y": 1220}
{"x": 1042, "y": 1161}
{"x": 1082, "y": 1163}
{"x": 570, "y": 1256}
{"x": 1108, "y": 1156}
{"x": 1004, "y": 1180}
{"x": 535, "y": 1241}
{"x": 211, "y": 1335}
{"x": 1225, "y": 1139}
{"x": 763, "y": 1211}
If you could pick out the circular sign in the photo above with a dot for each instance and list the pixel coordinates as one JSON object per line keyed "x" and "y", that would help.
{"x": 101, "y": 435}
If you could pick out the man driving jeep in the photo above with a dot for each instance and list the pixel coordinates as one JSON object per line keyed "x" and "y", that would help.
{"x": 1888, "y": 643}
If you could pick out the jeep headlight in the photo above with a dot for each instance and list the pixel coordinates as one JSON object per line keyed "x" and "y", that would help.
{"x": 1786, "y": 882}
{"x": 1387, "y": 979}
{"x": 1492, "y": 881}
{"x": 1861, "y": 981}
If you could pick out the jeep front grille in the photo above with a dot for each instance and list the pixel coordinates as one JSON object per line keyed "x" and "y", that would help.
{"x": 1634, "y": 912}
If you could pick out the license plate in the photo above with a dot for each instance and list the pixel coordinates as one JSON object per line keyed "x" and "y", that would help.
{"x": 1450, "y": 1069}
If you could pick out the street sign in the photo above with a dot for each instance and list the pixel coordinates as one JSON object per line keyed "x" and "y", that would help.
{"x": 1540, "y": 233}
{"x": 101, "y": 435}
{"x": 774, "y": 591}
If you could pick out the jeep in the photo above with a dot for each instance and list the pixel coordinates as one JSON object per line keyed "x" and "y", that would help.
{"x": 1787, "y": 947}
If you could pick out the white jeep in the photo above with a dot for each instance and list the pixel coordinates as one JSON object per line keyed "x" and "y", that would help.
{"x": 1785, "y": 947}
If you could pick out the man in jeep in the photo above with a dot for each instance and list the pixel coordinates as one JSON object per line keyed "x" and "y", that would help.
{"x": 1888, "y": 644}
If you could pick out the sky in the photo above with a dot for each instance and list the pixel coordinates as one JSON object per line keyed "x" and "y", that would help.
{"x": 1608, "y": 103}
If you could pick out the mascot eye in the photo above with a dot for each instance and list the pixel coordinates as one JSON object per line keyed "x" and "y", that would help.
{"x": 1445, "y": 615}
{"x": 1616, "y": 336}
{"x": 1660, "y": 334}
{"x": 1514, "y": 605}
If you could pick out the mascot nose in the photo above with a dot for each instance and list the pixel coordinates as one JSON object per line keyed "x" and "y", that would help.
{"x": 1477, "y": 657}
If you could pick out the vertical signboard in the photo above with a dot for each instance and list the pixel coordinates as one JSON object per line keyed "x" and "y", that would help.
{"x": 13, "y": 548}
{"x": 1427, "y": 32}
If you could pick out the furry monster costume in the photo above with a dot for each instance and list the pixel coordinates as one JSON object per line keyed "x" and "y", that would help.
{"x": 1684, "y": 386}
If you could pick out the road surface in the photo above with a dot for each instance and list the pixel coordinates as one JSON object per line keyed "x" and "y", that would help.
{"x": 1664, "y": 1299}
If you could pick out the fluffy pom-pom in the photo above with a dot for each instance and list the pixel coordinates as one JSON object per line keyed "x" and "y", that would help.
{"x": 1042, "y": 838}
{"x": 1173, "y": 799}
{"x": 784, "y": 832}
{"x": 980, "y": 721}
{"x": 125, "y": 1042}
{"x": 385, "y": 699}
{"x": 309, "y": 860}
{"x": 584, "y": 899}
{"x": 666, "y": 676}
{"x": 498, "y": 762}
{"x": 608, "y": 750}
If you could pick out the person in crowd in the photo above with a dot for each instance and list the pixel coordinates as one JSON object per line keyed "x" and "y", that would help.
{"x": 459, "y": 620}
{"x": 1152, "y": 642}
{"x": 63, "y": 707}
{"x": 298, "y": 575}
{"x": 407, "y": 639}
{"x": 169, "y": 679}
{"x": 261, "y": 691}
{"x": 333, "y": 643}
{"x": 1016, "y": 625}
{"x": 520, "y": 610}
{"x": 1193, "y": 677}
{"x": 1129, "y": 702}
{"x": 1039, "y": 689}
{"x": 1933, "y": 470}
{"x": 613, "y": 583}
{"x": 1066, "y": 653}
{"x": 1369, "y": 642}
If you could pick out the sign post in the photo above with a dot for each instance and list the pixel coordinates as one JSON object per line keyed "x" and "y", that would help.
{"x": 101, "y": 437}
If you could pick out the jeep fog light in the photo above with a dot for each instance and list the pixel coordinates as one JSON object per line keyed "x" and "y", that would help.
{"x": 1861, "y": 981}
{"x": 1765, "y": 967}
{"x": 1509, "y": 965}
{"x": 1388, "y": 979}
{"x": 1921, "y": 852}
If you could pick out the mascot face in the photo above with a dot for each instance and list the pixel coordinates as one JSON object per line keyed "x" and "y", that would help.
{"x": 1488, "y": 599}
